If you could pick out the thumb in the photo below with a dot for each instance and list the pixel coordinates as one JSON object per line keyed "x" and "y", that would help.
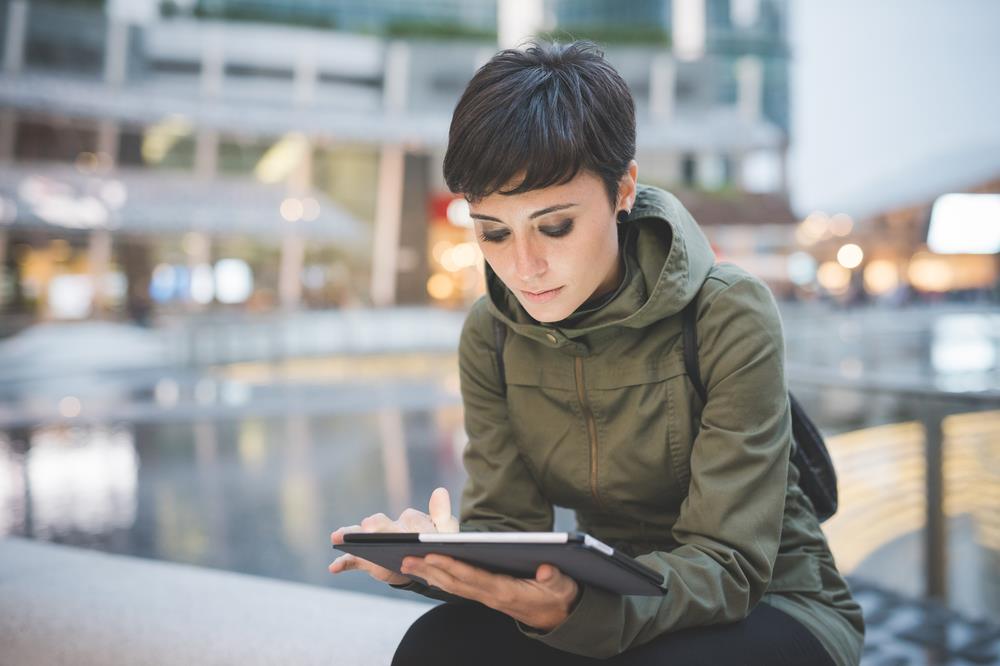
{"x": 544, "y": 573}
{"x": 439, "y": 509}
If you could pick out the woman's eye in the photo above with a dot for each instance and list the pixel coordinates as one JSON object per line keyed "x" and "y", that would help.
{"x": 554, "y": 232}
{"x": 561, "y": 230}
{"x": 494, "y": 237}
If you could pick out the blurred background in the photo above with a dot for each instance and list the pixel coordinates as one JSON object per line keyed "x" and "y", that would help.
{"x": 232, "y": 278}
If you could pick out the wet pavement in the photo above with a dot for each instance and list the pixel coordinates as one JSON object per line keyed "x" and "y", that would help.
{"x": 257, "y": 494}
{"x": 903, "y": 631}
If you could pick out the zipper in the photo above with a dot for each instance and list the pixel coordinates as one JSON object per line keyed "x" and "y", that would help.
{"x": 591, "y": 430}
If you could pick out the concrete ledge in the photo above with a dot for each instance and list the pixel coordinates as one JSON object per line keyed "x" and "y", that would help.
{"x": 63, "y": 605}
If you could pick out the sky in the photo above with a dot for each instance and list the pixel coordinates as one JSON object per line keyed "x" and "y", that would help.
{"x": 892, "y": 101}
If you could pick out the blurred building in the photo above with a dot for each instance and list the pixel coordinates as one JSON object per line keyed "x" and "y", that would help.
{"x": 185, "y": 154}
{"x": 944, "y": 244}
{"x": 887, "y": 121}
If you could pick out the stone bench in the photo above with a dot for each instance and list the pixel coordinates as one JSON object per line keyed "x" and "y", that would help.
{"x": 63, "y": 605}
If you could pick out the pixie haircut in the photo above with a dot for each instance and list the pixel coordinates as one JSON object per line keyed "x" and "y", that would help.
{"x": 547, "y": 111}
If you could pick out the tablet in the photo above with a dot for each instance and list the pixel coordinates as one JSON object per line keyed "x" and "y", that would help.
{"x": 519, "y": 554}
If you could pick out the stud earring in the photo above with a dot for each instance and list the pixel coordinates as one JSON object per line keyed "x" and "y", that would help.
{"x": 623, "y": 215}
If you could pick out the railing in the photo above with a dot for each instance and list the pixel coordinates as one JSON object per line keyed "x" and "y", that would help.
{"x": 909, "y": 458}
{"x": 204, "y": 340}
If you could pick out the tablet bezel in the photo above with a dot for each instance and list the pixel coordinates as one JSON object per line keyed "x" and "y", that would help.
{"x": 645, "y": 581}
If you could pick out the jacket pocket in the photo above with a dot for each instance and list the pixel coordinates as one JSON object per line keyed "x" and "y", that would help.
{"x": 795, "y": 572}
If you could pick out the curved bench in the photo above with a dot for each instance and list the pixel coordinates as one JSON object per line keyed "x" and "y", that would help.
{"x": 63, "y": 605}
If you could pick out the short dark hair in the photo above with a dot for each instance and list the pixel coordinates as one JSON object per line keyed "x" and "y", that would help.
{"x": 549, "y": 111}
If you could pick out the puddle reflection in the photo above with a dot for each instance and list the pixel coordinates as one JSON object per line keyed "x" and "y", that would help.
{"x": 258, "y": 496}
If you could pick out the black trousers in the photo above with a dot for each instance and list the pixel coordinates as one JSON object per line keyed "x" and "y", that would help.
{"x": 475, "y": 634}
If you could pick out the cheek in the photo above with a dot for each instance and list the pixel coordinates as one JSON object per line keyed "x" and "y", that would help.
{"x": 494, "y": 259}
{"x": 589, "y": 257}
{"x": 504, "y": 264}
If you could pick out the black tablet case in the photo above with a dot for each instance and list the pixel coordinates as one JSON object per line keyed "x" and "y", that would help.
{"x": 616, "y": 572}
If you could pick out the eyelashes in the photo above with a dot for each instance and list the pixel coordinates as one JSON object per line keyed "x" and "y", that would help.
{"x": 561, "y": 230}
{"x": 498, "y": 236}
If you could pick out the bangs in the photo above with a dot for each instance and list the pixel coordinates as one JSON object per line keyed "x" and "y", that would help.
{"x": 542, "y": 142}
{"x": 528, "y": 121}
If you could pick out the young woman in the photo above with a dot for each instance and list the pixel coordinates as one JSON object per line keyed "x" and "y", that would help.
{"x": 589, "y": 271}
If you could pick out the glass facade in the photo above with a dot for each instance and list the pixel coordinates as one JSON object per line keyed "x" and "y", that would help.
{"x": 377, "y": 16}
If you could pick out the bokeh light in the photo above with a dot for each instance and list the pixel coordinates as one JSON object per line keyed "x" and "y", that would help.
{"x": 850, "y": 255}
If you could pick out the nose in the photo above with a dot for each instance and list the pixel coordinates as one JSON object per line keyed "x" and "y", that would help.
{"x": 528, "y": 262}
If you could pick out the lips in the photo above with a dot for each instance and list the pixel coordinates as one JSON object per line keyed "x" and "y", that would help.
{"x": 541, "y": 296}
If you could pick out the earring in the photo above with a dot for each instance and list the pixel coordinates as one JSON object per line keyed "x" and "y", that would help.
{"x": 623, "y": 215}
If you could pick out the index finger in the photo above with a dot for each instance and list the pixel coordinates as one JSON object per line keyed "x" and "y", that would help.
{"x": 439, "y": 509}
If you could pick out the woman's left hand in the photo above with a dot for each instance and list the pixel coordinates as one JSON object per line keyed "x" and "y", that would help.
{"x": 542, "y": 602}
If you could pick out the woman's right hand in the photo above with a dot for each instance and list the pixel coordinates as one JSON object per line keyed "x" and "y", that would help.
{"x": 438, "y": 519}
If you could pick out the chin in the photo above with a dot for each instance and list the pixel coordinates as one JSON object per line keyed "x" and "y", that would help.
{"x": 546, "y": 314}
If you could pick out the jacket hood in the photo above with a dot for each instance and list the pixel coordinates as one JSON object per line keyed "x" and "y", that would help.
{"x": 667, "y": 259}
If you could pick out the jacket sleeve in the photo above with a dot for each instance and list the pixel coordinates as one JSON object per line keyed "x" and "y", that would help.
{"x": 500, "y": 493}
{"x": 729, "y": 526}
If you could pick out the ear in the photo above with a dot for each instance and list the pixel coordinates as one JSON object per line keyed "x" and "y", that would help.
{"x": 627, "y": 187}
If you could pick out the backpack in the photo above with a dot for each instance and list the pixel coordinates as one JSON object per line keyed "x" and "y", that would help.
{"x": 817, "y": 477}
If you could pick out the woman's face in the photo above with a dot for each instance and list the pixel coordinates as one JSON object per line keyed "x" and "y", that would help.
{"x": 555, "y": 247}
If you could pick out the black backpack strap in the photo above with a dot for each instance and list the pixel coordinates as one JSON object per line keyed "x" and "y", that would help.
{"x": 690, "y": 320}
{"x": 500, "y": 336}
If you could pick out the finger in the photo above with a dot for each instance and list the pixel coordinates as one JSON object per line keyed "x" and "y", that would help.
{"x": 412, "y": 520}
{"x": 337, "y": 536}
{"x": 343, "y": 563}
{"x": 495, "y": 590}
{"x": 353, "y": 563}
{"x": 441, "y": 578}
{"x": 439, "y": 508}
{"x": 462, "y": 570}
{"x": 378, "y": 522}
{"x": 552, "y": 579}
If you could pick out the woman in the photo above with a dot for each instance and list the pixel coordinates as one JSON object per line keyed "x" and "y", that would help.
{"x": 588, "y": 273}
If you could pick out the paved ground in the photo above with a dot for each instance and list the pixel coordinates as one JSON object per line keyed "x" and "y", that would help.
{"x": 903, "y": 631}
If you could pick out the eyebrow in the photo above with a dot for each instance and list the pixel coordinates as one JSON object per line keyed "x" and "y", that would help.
{"x": 537, "y": 213}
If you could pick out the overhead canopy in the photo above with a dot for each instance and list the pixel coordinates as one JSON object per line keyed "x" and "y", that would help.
{"x": 743, "y": 208}
{"x": 350, "y": 113}
{"x": 145, "y": 201}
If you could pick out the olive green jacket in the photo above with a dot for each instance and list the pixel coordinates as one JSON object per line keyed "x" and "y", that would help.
{"x": 599, "y": 416}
